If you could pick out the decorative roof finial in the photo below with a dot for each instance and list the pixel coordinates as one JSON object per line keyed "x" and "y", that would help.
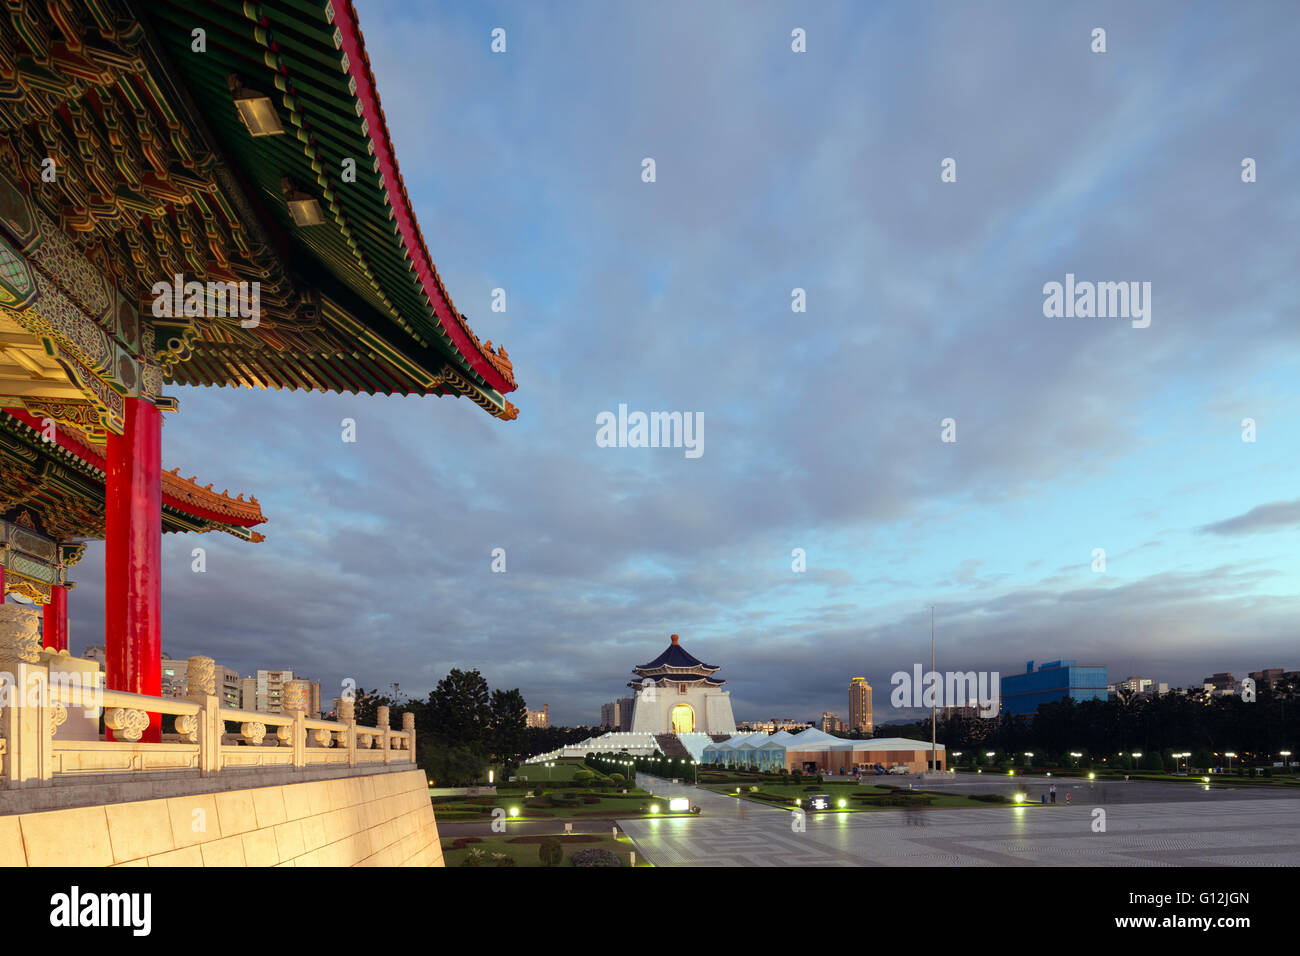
{"x": 674, "y": 638}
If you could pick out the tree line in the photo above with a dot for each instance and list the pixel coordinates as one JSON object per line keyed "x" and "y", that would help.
{"x": 461, "y": 728}
{"x": 464, "y": 726}
{"x": 1194, "y": 723}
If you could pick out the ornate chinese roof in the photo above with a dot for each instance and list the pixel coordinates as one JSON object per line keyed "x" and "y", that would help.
{"x": 134, "y": 103}
{"x": 61, "y": 483}
{"x": 676, "y": 664}
{"x": 669, "y": 679}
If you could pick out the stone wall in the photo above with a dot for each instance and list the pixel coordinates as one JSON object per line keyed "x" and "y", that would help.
{"x": 376, "y": 819}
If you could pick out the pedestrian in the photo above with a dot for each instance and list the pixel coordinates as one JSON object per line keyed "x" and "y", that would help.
{"x": 1067, "y": 798}
{"x": 1053, "y": 791}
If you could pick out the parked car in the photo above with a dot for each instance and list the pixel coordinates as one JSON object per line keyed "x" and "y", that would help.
{"x": 900, "y": 769}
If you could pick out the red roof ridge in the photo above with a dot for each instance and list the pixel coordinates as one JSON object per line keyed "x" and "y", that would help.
{"x": 495, "y": 369}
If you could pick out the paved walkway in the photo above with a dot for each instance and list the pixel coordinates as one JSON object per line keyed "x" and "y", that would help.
{"x": 1251, "y": 831}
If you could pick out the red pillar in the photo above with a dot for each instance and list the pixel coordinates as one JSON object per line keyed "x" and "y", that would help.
{"x": 2, "y": 585}
{"x": 133, "y": 557}
{"x": 55, "y": 630}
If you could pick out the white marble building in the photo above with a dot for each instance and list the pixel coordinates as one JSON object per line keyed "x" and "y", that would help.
{"x": 678, "y": 694}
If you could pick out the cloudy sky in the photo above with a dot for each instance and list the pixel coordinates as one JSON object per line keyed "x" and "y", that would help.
{"x": 778, "y": 170}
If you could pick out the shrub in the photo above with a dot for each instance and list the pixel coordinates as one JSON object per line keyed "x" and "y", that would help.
{"x": 990, "y": 798}
{"x": 502, "y": 859}
{"x": 618, "y": 778}
{"x": 550, "y": 851}
{"x": 461, "y": 842}
{"x": 475, "y": 857}
{"x": 590, "y": 799}
{"x": 596, "y": 857}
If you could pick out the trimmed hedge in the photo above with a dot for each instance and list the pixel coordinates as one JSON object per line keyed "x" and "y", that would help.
{"x": 595, "y": 857}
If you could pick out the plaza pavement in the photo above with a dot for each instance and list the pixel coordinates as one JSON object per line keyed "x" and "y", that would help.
{"x": 1233, "y": 828}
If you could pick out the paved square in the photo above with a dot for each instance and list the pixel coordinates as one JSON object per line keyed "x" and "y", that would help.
{"x": 1253, "y": 830}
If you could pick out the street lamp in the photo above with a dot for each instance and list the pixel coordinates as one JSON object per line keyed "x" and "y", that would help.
{"x": 1229, "y": 754}
{"x": 990, "y": 754}
{"x": 1286, "y": 758}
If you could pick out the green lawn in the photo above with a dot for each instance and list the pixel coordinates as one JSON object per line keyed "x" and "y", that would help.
{"x": 524, "y": 850}
{"x": 563, "y": 770}
{"x": 606, "y": 805}
{"x": 859, "y": 798}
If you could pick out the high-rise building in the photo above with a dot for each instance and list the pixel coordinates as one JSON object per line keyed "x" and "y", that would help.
{"x": 1269, "y": 676}
{"x": 1056, "y": 680}
{"x": 830, "y": 722}
{"x": 1220, "y": 681}
{"x": 617, "y": 714}
{"x": 228, "y": 687}
{"x": 539, "y": 718}
{"x": 1134, "y": 685}
{"x": 265, "y": 692}
{"x": 860, "y": 706}
{"x": 174, "y": 676}
{"x": 270, "y": 690}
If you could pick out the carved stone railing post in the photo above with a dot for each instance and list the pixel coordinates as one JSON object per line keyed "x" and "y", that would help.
{"x": 26, "y": 724}
{"x": 205, "y": 727}
{"x": 347, "y": 714}
{"x": 408, "y": 726}
{"x": 382, "y": 721}
{"x": 295, "y": 704}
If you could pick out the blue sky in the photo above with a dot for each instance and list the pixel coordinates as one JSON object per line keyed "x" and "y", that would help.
{"x": 778, "y": 170}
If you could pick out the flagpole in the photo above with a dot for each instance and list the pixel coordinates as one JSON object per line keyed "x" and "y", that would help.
{"x": 933, "y": 699}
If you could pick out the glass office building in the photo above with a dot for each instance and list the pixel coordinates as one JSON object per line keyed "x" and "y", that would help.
{"x": 1056, "y": 680}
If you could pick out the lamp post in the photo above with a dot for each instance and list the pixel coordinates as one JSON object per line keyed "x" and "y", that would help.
{"x": 1076, "y": 755}
{"x": 1286, "y": 758}
{"x": 1229, "y": 754}
{"x": 989, "y": 754}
